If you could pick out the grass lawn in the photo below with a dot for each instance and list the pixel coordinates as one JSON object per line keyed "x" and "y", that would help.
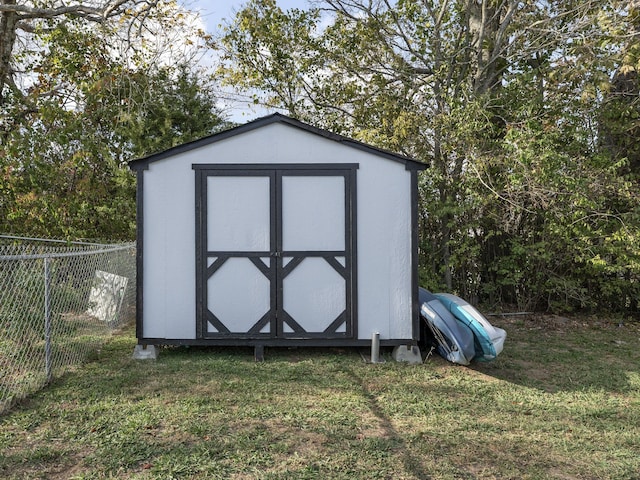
{"x": 562, "y": 401}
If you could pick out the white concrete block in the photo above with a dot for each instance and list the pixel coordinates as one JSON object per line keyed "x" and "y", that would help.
{"x": 407, "y": 353}
{"x": 145, "y": 352}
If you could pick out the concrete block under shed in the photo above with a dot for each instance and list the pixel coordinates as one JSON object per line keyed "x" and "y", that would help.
{"x": 407, "y": 353}
{"x": 145, "y": 352}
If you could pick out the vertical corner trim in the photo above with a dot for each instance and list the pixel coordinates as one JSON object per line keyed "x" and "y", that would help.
{"x": 415, "y": 307}
{"x": 140, "y": 253}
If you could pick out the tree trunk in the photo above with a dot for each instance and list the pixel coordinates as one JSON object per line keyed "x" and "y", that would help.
{"x": 8, "y": 23}
{"x": 618, "y": 131}
{"x": 484, "y": 25}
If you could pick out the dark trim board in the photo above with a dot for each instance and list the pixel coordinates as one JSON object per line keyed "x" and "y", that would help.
{"x": 267, "y": 342}
{"x": 139, "y": 253}
{"x": 237, "y": 168}
{"x": 415, "y": 280}
{"x": 200, "y": 262}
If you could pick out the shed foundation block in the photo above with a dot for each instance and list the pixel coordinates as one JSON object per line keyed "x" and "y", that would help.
{"x": 407, "y": 353}
{"x": 258, "y": 353}
{"x": 145, "y": 352}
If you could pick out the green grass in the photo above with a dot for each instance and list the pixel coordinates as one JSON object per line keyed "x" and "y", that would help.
{"x": 560, "y": 402}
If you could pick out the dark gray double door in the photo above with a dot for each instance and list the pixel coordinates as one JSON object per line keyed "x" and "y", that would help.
{"x": 275, "y": 251}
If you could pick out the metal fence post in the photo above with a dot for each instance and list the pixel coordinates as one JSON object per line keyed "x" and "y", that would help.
{"x": 87, "y": 289}
{"x": 47, "y": 319}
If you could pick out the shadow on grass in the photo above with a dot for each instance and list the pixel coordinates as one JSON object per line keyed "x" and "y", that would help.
{"x": 410, "y": 461}
{"x": 567, "y": 357}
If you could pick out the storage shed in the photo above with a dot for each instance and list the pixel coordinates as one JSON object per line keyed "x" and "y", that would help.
{"x": 277, "y": 233}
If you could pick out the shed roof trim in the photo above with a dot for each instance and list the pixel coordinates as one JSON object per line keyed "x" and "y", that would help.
{"x": 143, "y": 163}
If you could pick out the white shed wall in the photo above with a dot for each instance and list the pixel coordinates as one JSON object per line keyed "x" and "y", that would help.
{"x": 383, "y": 229}
{"x": 169, "y": 259}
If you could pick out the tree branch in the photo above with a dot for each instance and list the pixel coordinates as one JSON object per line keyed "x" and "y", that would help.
{"x": 94, "y": 14}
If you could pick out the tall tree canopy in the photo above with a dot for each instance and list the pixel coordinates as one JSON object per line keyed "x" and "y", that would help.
{"x": 527, "y": 113}
{"x": 22, "y": 23}
{"x": 84, "y": 87}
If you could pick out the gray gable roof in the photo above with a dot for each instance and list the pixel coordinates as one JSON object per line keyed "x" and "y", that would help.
{"x": 143, "y": 163}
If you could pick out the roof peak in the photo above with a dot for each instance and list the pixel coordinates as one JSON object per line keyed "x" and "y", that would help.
{"x": 277, "y": 117}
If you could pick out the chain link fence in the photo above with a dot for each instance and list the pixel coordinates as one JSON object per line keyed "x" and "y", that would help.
{"x": 59, "y": 302}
